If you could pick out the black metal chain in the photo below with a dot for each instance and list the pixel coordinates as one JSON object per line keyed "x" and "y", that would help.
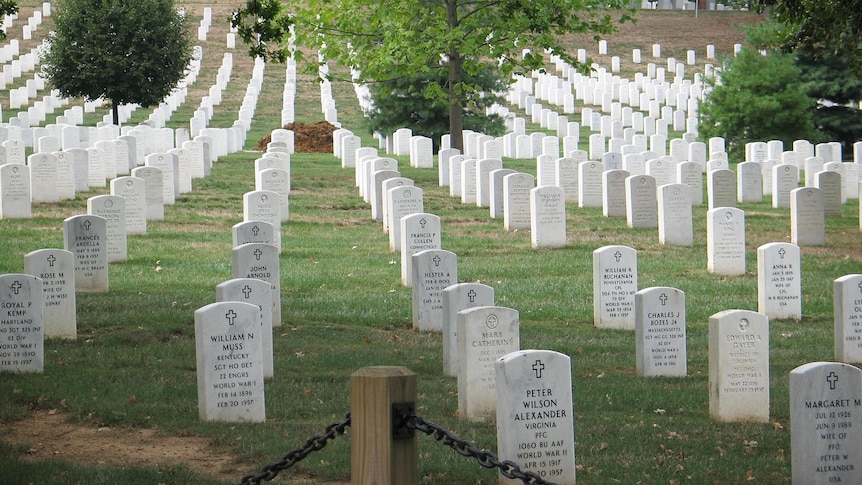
{"x": 485, "y": 458}
{"x": 315, "y": 443}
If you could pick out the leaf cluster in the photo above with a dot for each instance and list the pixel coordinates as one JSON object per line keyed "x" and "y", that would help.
{"x": 833, "y": 27}
{"x": 263, "y": 25}
{"x": 126, "y": 52}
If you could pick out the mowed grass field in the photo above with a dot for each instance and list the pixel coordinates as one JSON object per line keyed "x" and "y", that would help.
{"x": 119, "y": 403}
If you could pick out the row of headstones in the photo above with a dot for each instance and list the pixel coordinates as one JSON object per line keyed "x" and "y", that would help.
{"x": 657, "y": 354}
{"x": 90, "y": 246}
{"x": 234, "y": 343}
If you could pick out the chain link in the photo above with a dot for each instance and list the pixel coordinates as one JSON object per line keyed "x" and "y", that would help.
{"x": 315, "y": 443}
{"x": 485, "y": 458}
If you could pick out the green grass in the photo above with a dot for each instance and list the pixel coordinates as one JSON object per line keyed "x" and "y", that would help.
{"x": 343, "y": 308}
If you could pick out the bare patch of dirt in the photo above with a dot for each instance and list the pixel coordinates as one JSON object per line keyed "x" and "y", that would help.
{"x": 307, "y": 137}
{"x": 48, "y": 434}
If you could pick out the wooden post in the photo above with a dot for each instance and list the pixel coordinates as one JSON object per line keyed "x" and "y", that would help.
{"x": 377, "y": 458}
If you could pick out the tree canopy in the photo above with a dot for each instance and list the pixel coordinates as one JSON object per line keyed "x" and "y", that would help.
{"x": 388, "y": 40}
{"x": 821, "y": 27}
{"x": 125, "y": 52}
{"x": 7, "y": 7}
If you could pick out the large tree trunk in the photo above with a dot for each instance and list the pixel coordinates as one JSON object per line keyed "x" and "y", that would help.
{"x": 456, "y": 110}
{"x": 115, "y": 112}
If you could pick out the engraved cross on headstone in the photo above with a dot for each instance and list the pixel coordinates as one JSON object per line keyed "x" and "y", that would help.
{"x": 832, "y": 379}
{"x": 246, "y": 291}
{"x": 471, "y": 295}
{"x": 436, "y": 260}
{"x": 663, "y": 299}
{"x": 257, "y": 254}
{"x": 16, "y": 287}
{"x": 87, "y": 225}
{"x": 255, "y": 230}
{"x": 538, "y": 367}
{"x": 781, "y": 253}
{"x": 230, "y": 316}
{"x": 618, "y": 255}
{"x": 51, "y": 260}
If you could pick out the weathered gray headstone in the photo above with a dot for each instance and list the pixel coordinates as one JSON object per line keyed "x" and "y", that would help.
{"x": 153, "y": 191}
{"x": 401, "y": 201}
{"x": 660, "y": 330}
{"x": 485, "y": 334}
{"x": 278, "y": 181}
{"x": 739, "y": 366}
{"x": 749, "y": 182}
{"x": 455, "y": 298}
{"x": 614, "y": 193}
{"x": 434, "y": 270}
{"x": 721, "y": 188}
{"x": 779, "y": 281}
{"x": 641, "y": 203}
{"x": 547, "y": 217}
{"x": 15, "y": 191}
{"x": 590, "y": 184}
{"x": 258, "y": 293}
{"x": 43, "y": 177}
{"x": 825, "y": 416}
{"x": 516, "y": 200}
{"x": 535, "y": 414}
{"x": 229, "y": 362}
{"x": 264, "y": 205}
{"x": 675, "y": 227}
{"x": 496, "y": 192}
{"x": 134, "y": 191}
{"x": 56, "y": 269}
{"x": 252, "y": 232}
{"x": 21, "y": 323}
{"x": 85, "y": 236}
{"x": 785, "y": 178}
{"x": 725, "y": 241}
{"x": 807, "y": 218}
{"x": 113, "y": 209}
{"x": 615, "y": 282}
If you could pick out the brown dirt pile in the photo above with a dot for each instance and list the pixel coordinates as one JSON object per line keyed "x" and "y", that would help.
{"x": 307, "y": 137}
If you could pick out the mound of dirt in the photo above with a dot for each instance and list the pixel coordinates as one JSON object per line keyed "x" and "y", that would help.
{"x": 307, "y": 137}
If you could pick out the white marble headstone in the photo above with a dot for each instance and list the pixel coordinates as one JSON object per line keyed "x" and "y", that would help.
{"x": 22, "y": 301}
{"x": 455, "y": 298}
{"x": 484, "y": 334}
{"x": 779, "y": 281}
{"x": 615, "y": 282}
{"x": 825, "y": 416}
{"x": 739, "y": 366}
{"x": 535, "y": 414}
{"x": 660, "y": 331}
{"x": 56, "y": 269}
{"x": 433, "y": 271}
{"x": 229, "y": 360}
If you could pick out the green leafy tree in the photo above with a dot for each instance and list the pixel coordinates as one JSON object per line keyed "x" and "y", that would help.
{"x": 757, "y": 98}
{"x": 389, "y": 40}
{"x": 122, "y": 51}
{"x": 401, "y": 102}
{"x": 823, "y": 27}
{"x": 7, "y": 7}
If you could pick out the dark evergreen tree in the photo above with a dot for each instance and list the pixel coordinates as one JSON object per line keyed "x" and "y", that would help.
{"x": 402, "y": 103}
